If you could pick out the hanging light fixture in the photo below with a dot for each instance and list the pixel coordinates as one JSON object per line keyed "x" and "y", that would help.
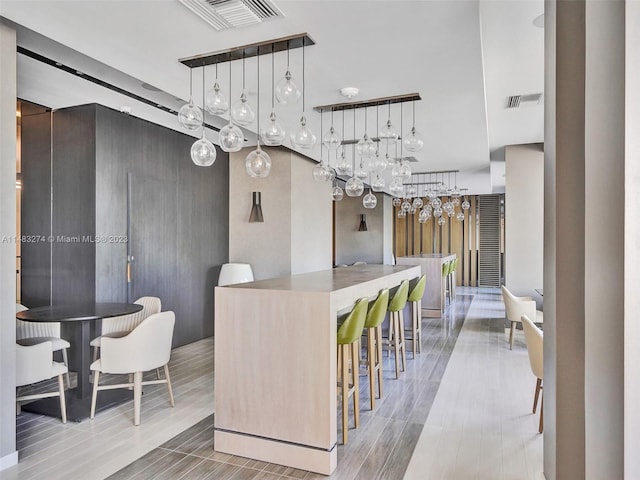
{"x": 343, "y": 165}
{"x": 231, "y": 137}
{"x": 321, "y": 171}
{"x": 302, "y": 136}
{"x": 190, "y": 116}
{"x": 365, "y": 146}
{"x": 287, "y": 92}
{"x": 241, "y": 111}
{"x": 273, "y": 133}
{"x": 465, "y": 205}
{"x": 369, "y": 200}
{"x": 216, "y": 103}
{"x": 413, "y": 142}
{"x": 354, "y": 186}
{"x": 258, "y": 163}
{"x": 203, "y": 152}
{"x": 388, "y": 134}
{"x": 331, "y": 140}
{"x": 336, "y": 193}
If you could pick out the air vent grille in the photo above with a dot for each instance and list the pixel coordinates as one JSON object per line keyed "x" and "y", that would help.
{"x": 224, "y": 14}
{"x": 489, "y": 241}
{"x": 517, "y": 101}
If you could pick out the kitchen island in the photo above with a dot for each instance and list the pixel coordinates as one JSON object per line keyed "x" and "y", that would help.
{"x": 275, "y": 362}
{"x": 433, "y": 299}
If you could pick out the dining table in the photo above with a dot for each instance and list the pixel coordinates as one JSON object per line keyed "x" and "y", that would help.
{"x": 81, "y": 317}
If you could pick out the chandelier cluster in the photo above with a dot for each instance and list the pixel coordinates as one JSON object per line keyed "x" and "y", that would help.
{"x": 241, "y": 113}
{"x": 369, "y": 156}
{"x": 432, "y": 198}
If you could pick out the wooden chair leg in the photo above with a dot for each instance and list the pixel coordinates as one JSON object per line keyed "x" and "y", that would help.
{"x": 536, "y": 394}
{"x": 63, "y": 403}
{"x": 96, "y": 379}
{"x": 396, "y": 343}
{"x": 355, "y": 364}
{"x": 137, "y": 397}
{"x": 419, "y": 326}
{"x": 379, "y": 358}
{"x": 541, "y": 413}
{"x": 66, "y": 363}
{"x": 513, "y": 324}
{"x": 344, "y": 368}
{"x": 401, "y": 339}
{"x": 166, "y": 374}
{"x": 371, "y": 365}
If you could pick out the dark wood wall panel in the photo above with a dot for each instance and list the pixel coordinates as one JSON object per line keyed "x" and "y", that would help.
{"x": 74, "y": 205}
{"x": 35, "y": 279}
{"x": 179, "y": 215}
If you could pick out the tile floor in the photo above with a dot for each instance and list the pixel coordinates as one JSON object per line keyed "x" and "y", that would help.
{"x": 462, "y": 410}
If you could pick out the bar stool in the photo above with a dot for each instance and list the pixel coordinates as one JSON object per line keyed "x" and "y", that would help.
{"x": 452, "y": 278}
{"x": 396, "y": 323}
{"x": 348, "y": 337}
{"x": 415, "y": 297}
{"x": 373, "y": 324}
{"x": 445, "y": 276}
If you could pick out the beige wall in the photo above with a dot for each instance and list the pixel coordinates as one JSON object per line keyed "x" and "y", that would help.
{"x": 296, "y": 234}
{"x": 591, "y": 186}
{"x": 524, "y": 218}
{"x": 8, "y": 95}
{"x": 353, "y": 245}
{"x": 632, "y": 246}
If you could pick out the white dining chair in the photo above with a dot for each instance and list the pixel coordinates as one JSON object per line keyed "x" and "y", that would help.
{"x": 232, "y": 273}
{"x": 535, "y": 348}
{"x": 33, "y": 333}
{"x": 515, "y": 307}
{"x": 34, "y": 363}
{"x": 116, "y": 327}
{"x": 146, "y": 347}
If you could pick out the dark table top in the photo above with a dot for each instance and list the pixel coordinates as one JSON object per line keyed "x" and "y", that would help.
{"x": 77, "y": 312}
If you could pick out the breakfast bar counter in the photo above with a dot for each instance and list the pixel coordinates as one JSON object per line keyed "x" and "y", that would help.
{"x": 275, "y": 362}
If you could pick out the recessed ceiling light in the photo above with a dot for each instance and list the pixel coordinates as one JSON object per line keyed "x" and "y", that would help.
{"x": 151, "y": 88}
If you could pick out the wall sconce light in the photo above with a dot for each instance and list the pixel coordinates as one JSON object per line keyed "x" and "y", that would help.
{"x": 363, "y": 223}
{"x": 256, "y": 209}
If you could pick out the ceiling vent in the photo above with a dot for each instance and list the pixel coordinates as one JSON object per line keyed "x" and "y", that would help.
{"x": 224, "y": 14}
{"x": 517, "y": 101}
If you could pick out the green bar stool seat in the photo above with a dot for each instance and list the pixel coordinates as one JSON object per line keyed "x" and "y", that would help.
{"x": 348, "y": 337}
{"x": 415, "y": 297}
{"x": 373, "y": 325}
{"x": 445, "y": 277}
{"x": 396, "y": 323}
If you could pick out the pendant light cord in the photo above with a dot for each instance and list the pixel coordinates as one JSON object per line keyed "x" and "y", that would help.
{"x": 258, "y": 95}
{"x": 230, "y": 92}
{"x": 321, "y": 142}
{"x": 191, "y": 85}
{"x": 353, "y": 149}
{"x": 203, "y": 104}
{"x": 303, "y": 85}
{"x": 401, "y": 129}
{"x": 273, "y": 90}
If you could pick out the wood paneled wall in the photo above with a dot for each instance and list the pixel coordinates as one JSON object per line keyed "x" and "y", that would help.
{"x": 412, "y": 238}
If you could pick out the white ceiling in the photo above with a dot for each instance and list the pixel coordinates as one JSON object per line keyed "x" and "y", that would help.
{"x": 463, "y": 57}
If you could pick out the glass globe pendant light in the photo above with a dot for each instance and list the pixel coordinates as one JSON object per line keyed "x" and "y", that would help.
{"x": 396, "y": 188}
{"x": 190, "y": 116}
{"x": 258, "y": 163}
{"x": 321, "y": 171}
{"x": 365, "y": 146}
{"x": 302, "y": 136}
{"x": 216, "y": 103}
{"x": 343, "y": 166}
{"x": 331, "y": 140}
{"x": 286, "y": 91}
{"x": 241, "y": 111}
{"x": 460, "y": 216}
{"x": 273, "y": 133}
{"x": 388, "y": 134}
{"x": 378, "y": 184}
{"x": 203, "y": 152}
{"x": 369, "y": 200}
{"x": 465, "y": 205}
{"x": 336, "y": 192}
{"x": 354, "y": 187}
{"x": 413, "y": 141}
{"x": 231, "y": 137}
{"x": 396, "y": 202}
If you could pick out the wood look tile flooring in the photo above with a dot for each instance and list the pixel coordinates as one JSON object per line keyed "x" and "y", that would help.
{"x": 460, "y": 411}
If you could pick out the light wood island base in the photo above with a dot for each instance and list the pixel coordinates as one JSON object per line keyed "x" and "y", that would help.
{"x": 275, "y": 362}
